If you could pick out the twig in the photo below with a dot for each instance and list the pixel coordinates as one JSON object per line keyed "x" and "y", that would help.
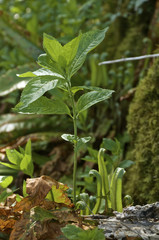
{"x": 129, "y": 59}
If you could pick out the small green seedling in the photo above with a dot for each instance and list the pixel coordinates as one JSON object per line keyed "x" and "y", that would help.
{"x": 58, "y": 66}
{"x": 109, "y": 189}
{"x": 22, "y": 160}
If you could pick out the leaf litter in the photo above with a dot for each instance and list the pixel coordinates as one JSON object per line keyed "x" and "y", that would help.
{"x": 36, "y": 216}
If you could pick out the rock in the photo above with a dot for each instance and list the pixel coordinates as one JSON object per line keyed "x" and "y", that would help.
{"x": 134, "y": 223}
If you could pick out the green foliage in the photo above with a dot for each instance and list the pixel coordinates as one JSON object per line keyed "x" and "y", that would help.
{"x": 41, "y": 214}
{"x": 116, "y": 189}
{"x": 58, "y": 59}
{"x": 89, "y": 99}
{"x": 72, "y": 232}
{"x": 5, "y": 181}
{"x": 109, "y": 176}
{"x": 142, "y": 184}
{"x": 20, "y": 160}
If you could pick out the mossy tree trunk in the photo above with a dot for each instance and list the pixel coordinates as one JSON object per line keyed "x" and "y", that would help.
{"x": 143, "y": 125}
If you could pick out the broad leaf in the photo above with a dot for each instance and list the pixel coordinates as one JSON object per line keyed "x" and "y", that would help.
{"x": 126, "y": 164}
{"x": 26, "y": 164}
{"x": 41, "y": 214}
{"x": 36, "y": 88}
{"x": 59, "y": 195}
{"x": 72, "y": 232}
{"x": 70, "y": 49}
{"x": 88, "y": 42}
{"x": 40, "y": 72}
{"x": 68, "y": 137}
{"x": 10, "y": 165}
{"x": 89, "y": 99}
{"x": 5, "y": 181}
{"x": 80, "y": 141}
{"x": 43, "y": 105}
{"x": 14, "y": 156}
{"x": 52, "y": 47}
{"x": 80, "y": 88}
{"x": 45, "y": 61}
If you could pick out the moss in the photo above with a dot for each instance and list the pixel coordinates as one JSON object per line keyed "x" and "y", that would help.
{"x": 143, "y": 125}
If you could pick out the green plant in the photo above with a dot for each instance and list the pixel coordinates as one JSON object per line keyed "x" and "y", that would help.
{"x": 59, "y": 64}
{"x": 72, "y": 232}
{"x": 109, "y": 188}
{"x": 21, "y": 160}
{"x": 109, "y": 177}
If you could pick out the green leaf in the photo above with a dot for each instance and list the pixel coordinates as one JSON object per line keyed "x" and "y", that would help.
{"x": 116, "y": 189}
{"x": 24, "y": 189}
{"x": 96, "y": 174}
{"x": 27, "y": 74}
{"x": 5, "y": 181}
{"x": 70, "y": 49}
{"x": 88, "y": 42}
{"x": 72, "y": 232}
{"x": 4, "y": 195}
{"x": 68, "y": 137}
{"x": 126, "y": 164}
{"x": 80, "y": 141}
{"x": 40, "y": 72}
{"x": 80, "y": 88}
{"x": 45, "y": 61}
{"x": 89, "y": 99}
{"x": 41, "y": 214}
{"x": 43, "y": 105}
{"x": 36, "y": 88}
{"x": 109, "y": 144}
{"x": 14, "y": 156}
{"x": 26, "y": 164}
{"x": 10, "y": 165}
{"x": 104, "y": 175}
{"x": 52, "y": 47}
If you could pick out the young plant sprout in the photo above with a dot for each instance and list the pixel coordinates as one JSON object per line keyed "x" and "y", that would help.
{"x": 58, "y": 66}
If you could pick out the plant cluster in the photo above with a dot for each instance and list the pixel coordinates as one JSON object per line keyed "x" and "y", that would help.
{"x": 58, "y": 65}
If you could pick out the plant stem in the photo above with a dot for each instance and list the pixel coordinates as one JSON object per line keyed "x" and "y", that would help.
{"x": 75, "y": 141}
{"x": 75, "y": 160}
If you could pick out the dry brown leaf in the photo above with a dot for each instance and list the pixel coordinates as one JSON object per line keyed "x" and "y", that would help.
{"x": 26, "y": 204}
{"x": 67, "y": 216}
{"x": 48, "y": 230}
{"x": 22, "y": 230}
{"x": 10, "y": 200}
{"x": 40, "y": 186}
{"x": 7, "y": 225}
{"x": 7, "y": 219}
{"x": 50, "y": 205}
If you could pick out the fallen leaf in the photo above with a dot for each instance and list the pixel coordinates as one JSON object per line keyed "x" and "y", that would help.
{"x": 7, "y": 219}
{"x": 23, "y": 229}
{"x": 67, "y": 216}
{"x": 10, "y": 200}
{"x": 60, "y": 196}
{"x": 40, "y": 186}
{"x": 48, "y": 230}
{"x": 7, "y": 225}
